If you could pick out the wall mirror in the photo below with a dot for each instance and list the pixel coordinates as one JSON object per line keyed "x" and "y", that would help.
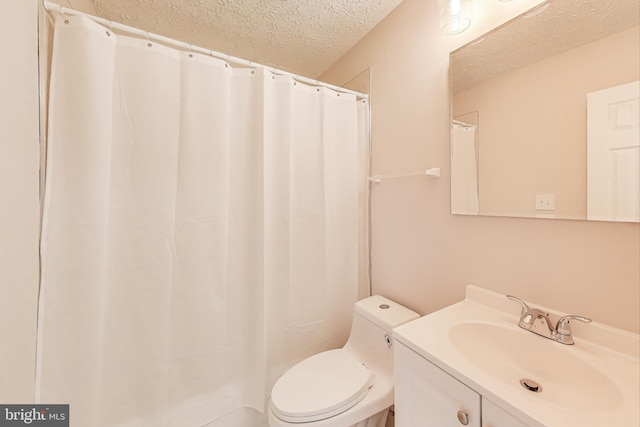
{"x": 545, "y": 118}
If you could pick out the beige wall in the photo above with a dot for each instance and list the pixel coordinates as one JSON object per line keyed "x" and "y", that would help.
{"x": 422, "y": 255}
{"x": 533, "y": 135}
{"x": 81, "y": 5}
{"x": 19, "y": 205}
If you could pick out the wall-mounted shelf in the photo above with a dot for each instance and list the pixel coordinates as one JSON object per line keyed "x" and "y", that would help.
{"x": 431, "y": 173}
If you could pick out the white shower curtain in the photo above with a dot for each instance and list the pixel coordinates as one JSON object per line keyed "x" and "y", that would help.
{"x": 464, "y": 170}
{"x": 201, "y": 230}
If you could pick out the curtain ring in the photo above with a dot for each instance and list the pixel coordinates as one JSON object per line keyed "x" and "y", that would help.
{"x": 226, "y": 62}
{"x": 64, "y": 12}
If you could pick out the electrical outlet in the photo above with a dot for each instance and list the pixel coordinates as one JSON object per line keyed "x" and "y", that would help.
{"x": 545, "y": 202}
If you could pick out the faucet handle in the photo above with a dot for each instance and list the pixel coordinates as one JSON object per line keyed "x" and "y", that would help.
{"x": 525, "y": 307}
{"x": 563, "y": 328}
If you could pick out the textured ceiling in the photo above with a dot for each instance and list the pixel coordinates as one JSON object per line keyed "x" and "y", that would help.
{"x": 301, "y": 36}
{"x": 563, "y": 25}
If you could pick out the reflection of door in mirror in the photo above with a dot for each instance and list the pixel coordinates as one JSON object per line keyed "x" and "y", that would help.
{"x": 613, "y": 153}
{"x": 464, "y": 164}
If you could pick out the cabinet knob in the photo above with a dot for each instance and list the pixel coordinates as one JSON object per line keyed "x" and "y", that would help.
{"x": 463, "y": 418}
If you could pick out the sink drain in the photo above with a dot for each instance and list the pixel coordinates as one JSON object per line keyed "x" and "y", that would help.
{"x": 531, "y": 385}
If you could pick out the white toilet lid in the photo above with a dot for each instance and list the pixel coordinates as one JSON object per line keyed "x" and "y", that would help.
{"x": 320, "y": 387}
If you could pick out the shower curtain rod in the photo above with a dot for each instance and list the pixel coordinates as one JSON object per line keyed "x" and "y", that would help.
{"x": 463, "y": 124}
{"x": 54, "y": 7}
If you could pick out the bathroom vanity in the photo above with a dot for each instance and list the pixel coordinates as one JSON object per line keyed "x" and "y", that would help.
{"x": 424, "y": 392}
{"x": 470, "y": 364}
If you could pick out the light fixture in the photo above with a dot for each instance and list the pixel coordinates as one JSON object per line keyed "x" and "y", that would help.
{"x": 455, "y": 15}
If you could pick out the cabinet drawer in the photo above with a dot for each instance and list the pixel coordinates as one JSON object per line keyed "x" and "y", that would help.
{"x": 494, "y": 416}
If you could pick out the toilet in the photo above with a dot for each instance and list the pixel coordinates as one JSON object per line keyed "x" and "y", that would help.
{"x": 347, "y": 387}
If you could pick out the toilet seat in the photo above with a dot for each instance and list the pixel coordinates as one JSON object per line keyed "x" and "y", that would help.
{"x": 320, "y": 387}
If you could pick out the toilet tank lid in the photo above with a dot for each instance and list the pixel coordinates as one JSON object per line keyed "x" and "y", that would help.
{"x": 383, "y": 312}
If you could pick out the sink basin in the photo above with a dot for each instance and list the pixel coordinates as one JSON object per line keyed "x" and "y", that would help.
{"x": 511, "y": 354}
{"x": 594, "y": 383}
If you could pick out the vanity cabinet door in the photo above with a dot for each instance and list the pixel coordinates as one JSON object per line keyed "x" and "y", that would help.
{"x": 494, "y": 416}
{"x": 426, "y": 396}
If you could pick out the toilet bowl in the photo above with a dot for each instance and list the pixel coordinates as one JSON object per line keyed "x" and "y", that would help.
{"x": 346, "y": 387}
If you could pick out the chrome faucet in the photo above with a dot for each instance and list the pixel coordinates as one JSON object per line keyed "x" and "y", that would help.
{"x": 539, "y": 322}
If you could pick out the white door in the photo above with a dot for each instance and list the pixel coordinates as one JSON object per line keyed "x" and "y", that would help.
{"x": 426, "y": 396}
{"x": 613, "y": 153}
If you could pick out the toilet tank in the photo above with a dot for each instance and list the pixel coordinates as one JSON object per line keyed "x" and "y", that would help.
{"x": 370, "y": 340}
